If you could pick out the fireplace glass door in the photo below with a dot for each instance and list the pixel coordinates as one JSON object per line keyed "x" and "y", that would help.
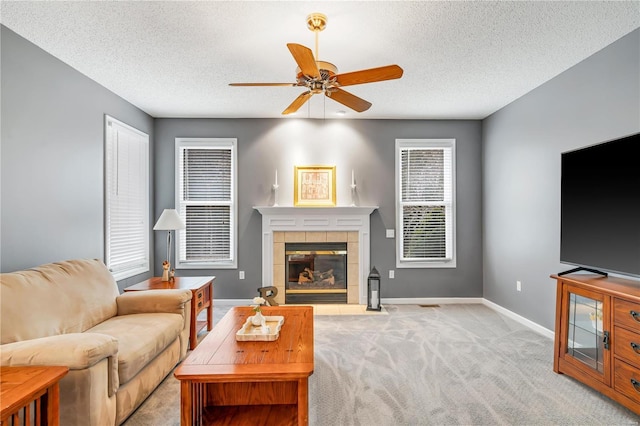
{"x": 316, "y": 273}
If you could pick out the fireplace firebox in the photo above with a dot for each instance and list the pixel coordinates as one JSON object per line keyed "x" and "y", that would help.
{"x": 316, "y": 273}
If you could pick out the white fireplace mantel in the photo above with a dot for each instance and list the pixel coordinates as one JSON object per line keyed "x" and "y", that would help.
{"x": 313, "y": 219}
{"x": 325, "y": 212}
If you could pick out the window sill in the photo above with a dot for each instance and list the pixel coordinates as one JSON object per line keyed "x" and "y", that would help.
{"x": 128, "y": 273}
{"x": 426, "y": 265}
{"x": 207, "y": 265}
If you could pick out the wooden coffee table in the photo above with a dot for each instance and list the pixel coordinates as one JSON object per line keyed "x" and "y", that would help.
{"x": 30, "y": 395}
{"x": 202, "y": 291}
{"x": 227, "y": 382}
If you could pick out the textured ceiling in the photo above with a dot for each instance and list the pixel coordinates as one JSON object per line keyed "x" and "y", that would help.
{"x": 460, "y": 59}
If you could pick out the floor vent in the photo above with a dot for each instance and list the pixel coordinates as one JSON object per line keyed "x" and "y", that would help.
{"x": 429, "y": 306}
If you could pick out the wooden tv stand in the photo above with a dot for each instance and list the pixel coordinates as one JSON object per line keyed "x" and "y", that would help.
{"x": 597, "y": 335}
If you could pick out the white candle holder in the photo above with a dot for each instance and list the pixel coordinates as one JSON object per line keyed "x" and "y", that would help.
{"x": 275, "y": 195}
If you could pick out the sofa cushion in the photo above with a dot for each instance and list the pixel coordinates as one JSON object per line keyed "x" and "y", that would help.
{"x": 141, "y": 337}
{"x": 57, "y": 298}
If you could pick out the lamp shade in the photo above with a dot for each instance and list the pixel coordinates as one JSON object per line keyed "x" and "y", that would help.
{"x": 168, "y": 221}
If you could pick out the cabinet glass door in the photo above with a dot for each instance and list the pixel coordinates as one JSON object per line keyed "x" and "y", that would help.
{"x": 586, "y": 335}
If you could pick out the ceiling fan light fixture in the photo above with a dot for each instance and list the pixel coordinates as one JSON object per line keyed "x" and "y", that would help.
{"x": 327, "y": 71}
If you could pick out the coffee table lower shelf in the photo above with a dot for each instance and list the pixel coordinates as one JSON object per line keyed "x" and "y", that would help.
{"x": 283, "y": 403}
{"x": 251, "y": 415}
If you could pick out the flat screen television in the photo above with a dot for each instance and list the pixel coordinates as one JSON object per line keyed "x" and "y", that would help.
{"x": 600, "y": 207}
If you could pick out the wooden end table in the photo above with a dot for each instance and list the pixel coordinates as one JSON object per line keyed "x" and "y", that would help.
{"x": 20, "y": 386}
{"x": 226, "y": 382}
{"x": 202, "y": 291}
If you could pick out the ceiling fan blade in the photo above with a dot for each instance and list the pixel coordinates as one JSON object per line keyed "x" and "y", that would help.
{"x": 297, "y": 103}
{"x": 305, "y": 60}
{"x": 371, "y": 75}
{"x": 348, "y": 100}
{"x": 263, "y": 84}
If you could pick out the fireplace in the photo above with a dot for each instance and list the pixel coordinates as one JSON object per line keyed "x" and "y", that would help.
{"x": 282, "y": 225}
{"x": 316, "y": 272}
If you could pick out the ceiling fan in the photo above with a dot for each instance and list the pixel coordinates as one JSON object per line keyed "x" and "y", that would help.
{"x": 322, "y": 77}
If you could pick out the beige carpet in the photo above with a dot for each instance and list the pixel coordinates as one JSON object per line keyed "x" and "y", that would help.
{"x": 450, "y": 365}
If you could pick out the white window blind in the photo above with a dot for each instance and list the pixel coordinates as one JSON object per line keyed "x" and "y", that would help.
{"x": 206, "y": 182}
{"x": 425, "y": 202}
{"x": 127, "y": 199}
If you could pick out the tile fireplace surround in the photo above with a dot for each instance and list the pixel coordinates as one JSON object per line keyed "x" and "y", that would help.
{"x": 349, "y": 225}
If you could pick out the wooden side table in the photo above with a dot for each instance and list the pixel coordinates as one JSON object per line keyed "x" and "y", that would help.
{"x": 22, "y": 386}
{"x": 202, "y": 291}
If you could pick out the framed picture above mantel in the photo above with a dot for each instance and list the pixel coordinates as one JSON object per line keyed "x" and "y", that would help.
{"x": 314, "y": 186}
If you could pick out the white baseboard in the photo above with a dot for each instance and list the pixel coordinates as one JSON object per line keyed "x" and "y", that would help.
{"x": 522, "y": 320}
{"x": 389, "y": 301}
{"x": 430, "y": 300}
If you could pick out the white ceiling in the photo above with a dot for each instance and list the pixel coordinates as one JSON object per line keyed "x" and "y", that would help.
{"x": 460, "y": 59}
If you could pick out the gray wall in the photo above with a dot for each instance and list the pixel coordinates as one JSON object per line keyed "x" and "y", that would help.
{"x": 52, "y": 158}
{"x": 595, "y": 101}
{"x": 367, "y": 147}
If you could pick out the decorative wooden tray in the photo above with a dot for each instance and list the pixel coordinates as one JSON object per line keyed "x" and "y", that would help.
{"x": 250, "y": 332}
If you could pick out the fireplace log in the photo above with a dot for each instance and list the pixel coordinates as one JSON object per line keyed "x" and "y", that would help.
{"x": 328, "y": 281}
{"x": 304, "y": 278}
{"x": 316, "y": 277}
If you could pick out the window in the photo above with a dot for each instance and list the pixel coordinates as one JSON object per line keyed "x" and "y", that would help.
{"x": 206, "y": 201}
{"x": 126, "y": 200}
{"x": 425, "y": 194}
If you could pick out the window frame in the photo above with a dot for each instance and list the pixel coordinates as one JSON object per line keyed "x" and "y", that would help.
{"x": 214, "y": 143}
{"x": 449, "y": 261}
{"x": 143, "y": 266}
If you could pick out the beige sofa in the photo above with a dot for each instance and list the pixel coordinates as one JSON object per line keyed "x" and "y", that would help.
{"x": 118, "y": 347}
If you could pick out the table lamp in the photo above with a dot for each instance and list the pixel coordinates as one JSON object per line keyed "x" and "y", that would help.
{"x": 169, "y": 220}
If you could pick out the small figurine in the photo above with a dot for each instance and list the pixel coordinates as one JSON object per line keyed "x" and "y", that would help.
{"x": 172, "y": 275}
{"x": 165, "y": 270}
{"x": 269, "y": 295}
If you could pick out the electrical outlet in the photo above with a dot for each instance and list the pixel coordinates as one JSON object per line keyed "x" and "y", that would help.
{"x": 391, "y": 233}
{"x": 518, "y": 286}
{"x": 392, "y": 274}
{"x": 241, "y": 275}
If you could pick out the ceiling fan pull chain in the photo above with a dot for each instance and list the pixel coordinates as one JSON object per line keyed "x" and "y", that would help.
{"x": 324, "y": 108}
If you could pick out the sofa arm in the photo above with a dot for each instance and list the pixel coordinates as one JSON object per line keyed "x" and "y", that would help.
{"x": 77, "y": 351}
{"x": 149, "y": 301}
